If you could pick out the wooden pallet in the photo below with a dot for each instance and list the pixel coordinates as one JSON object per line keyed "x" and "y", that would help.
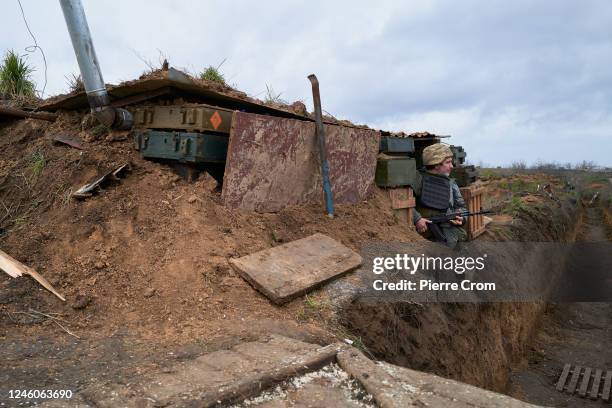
{"x": 402, "y": 203}
{"x": 583, "y": 377}
{"x": 473, "y": 200}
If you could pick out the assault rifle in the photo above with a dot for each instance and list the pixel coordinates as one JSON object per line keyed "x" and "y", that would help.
{"x": 436, "y": 220}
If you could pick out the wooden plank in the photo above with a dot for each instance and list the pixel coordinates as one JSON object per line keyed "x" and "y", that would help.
{"x": 585, "y": 382}
{"x": 401, "y": 198}
{"x": 595, "y": 387}
{"x": 605, "y": 393}
{"x": 290, "y": 270}
{"x": 563, "y": 377}
{"x": 15, "y": 269}
{"x": 273, "y": 163}
{"x": 574, "y": 380}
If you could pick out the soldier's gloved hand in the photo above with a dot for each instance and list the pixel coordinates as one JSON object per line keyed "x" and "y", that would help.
{"x": 457, "y": 221}
{"x": 421, "y": 224}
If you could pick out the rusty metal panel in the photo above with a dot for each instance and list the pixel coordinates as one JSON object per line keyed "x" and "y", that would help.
{"x": 273, "y": 162}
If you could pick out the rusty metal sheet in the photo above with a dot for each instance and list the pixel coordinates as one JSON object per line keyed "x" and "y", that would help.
{"x": 272, "y": 163}
{"x": 290, "y": 270}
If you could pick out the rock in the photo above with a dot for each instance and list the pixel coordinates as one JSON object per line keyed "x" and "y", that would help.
{"x": 117, "y": 136}
{"x": 192, "y": 199}
{"x": 149, "y": 292}
{"x": 81, "y": 301}
{"x": 299, "y": 108}
{"x": 88, "y": 122}
{"x": 99, "y": 265}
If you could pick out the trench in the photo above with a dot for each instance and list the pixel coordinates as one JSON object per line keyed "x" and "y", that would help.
{"x": 576, "y": 333}
{"x": 516, "y": 348}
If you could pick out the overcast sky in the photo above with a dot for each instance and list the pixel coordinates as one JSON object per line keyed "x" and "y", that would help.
{"x": 509, "y": 80}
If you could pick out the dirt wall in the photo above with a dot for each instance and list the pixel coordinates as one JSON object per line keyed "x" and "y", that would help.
{"x": 477, "y": 343}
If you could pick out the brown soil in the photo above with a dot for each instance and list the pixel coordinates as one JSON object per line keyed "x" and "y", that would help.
{"x": 149, "y": 253}
{"x": 144, "y": 267}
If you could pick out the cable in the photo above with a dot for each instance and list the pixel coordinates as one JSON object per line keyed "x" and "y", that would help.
{"x": 32, "y": 48}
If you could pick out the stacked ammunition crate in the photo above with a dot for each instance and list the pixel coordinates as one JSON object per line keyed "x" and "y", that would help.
{"x": 396, "y": 171}
{"x": 463, "y": 174}
{"x": 193, "y": 136}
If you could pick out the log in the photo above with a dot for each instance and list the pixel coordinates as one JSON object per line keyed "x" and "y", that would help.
{"x": 5, "y": 110}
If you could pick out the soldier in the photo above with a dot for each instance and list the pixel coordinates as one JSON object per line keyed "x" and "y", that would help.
{"x": 438, "y": 194}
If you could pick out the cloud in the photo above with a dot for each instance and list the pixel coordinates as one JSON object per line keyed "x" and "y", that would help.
{"x": 509, "y": 80}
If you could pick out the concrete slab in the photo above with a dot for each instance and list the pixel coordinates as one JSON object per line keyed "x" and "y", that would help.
{"x": 290, "y": 270}
{"x": 217, "y": 378}
{"x": 398, "y": 387}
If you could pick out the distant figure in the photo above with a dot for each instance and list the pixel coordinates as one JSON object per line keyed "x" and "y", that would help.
{"x": 438, "y": 194}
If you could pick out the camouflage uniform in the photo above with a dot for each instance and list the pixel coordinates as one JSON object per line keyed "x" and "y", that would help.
{"x": 433, "y": 155}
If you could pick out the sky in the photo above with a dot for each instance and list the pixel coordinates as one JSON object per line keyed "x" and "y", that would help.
{"x": 511, "y": 81}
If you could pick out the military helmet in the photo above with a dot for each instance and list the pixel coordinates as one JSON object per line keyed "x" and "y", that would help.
{"x": 436, "y": 154}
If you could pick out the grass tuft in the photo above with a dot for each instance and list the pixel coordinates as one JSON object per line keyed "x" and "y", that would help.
{"x": 15, "y": 77}
{"x": 37, "y": 165}
{"x": 213, "y": 74}
{"x": 75, "y": 83}
{"x": 515, "y": 207}
{"x": 273, "y": 97}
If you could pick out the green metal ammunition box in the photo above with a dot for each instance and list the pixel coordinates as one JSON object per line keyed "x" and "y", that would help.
{"x": 182, "y": 146}
{"x": 464, "y": 175}
{"x": 194, "y": 118}
{"x": 395, "y": 171}
{"x": 389, "y": 144}
{"x": 458, "y": 154}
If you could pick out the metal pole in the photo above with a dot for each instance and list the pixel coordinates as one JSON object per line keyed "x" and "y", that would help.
{"x": 98, "y": 98}
{"x": 320, "y": 133}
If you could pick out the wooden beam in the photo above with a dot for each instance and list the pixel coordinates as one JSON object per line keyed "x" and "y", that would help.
{"x": 5, "y": 110}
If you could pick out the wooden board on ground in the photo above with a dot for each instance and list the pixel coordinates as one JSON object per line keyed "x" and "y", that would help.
{"x": 290, "y": 270}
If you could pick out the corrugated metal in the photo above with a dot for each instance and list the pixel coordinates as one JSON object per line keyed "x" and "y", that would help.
{"x": 273, "y": 162}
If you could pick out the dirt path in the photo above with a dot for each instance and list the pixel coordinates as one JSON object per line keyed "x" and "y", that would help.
{"x": 574, "y": 333}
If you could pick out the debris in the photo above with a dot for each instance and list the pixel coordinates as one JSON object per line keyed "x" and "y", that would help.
{"x": 36, "y": 314}
{"x": 15, "y": 269}
{"x": 68, "y": 140}
{"x": 88, "y": 189}
{"x": 18, "y": 113}
{"x": 192, "y": 199}
{"x": 598, "y": 388}
{"x": 290, "y": 270}
{"x": 81, "y": 301}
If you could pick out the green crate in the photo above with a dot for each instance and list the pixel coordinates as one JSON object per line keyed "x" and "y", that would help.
{"x": 390, "y": 144}
{"x": 395, "y": 171}
{"x": 464, "y": 175}
{"x": 459, "y": 154}
{"x": 182, "y": 146}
